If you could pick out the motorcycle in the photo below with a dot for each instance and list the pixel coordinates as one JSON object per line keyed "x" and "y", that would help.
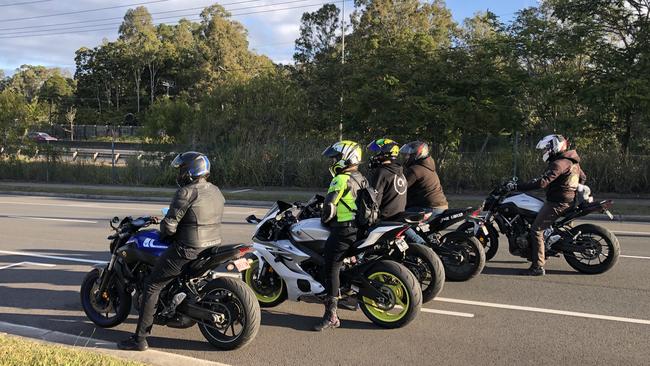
{"x": 587, "y": 248}
{"x": 224, "y": 308}
{"x": 288, "y": 260}
{"x": 423, "y": 262}
{"x": 461, "y": 253}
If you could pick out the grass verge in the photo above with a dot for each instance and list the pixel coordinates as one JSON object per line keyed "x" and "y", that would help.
{"x": 16, "y": 351}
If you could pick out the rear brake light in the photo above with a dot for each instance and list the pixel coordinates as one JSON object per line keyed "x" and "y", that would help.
{"x": 476, "y": 213}
{"x": 401, "y": 232}
{"x": 244, "y": 250}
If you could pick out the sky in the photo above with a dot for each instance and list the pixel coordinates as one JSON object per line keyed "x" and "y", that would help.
{"x": 48, "y": 32}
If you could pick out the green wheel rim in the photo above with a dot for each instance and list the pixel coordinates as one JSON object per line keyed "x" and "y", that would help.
{"x": 402, "y": 298}
{"x": 266, "y": 299}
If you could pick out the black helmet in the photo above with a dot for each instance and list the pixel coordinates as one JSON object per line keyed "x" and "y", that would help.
{"x": 383, "y": 150}
{"x": 414, "y": 151}
{"x": 191, "y": 165}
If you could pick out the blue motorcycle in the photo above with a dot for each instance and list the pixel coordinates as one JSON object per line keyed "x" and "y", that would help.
{"x": 225, "y": 309}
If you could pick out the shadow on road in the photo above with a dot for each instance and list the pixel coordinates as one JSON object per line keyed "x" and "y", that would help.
{"x": 306, "y": 322}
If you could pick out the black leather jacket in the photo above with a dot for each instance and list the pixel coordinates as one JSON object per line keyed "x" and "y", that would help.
{"x": 194, "y": 217}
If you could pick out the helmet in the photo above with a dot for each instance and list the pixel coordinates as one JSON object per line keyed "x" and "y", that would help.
{"x": 191, "y": 165}
{"x": 414, "y": 151}
{"x": 552, "y": 145}
{"x": 384, "y": 150}
{"x": 344, "y": 154}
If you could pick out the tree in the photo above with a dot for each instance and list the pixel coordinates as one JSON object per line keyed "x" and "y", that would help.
{"x": 141, "y": 44}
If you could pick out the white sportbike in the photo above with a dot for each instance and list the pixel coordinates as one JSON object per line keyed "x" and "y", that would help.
{"x": 288, "y": 263}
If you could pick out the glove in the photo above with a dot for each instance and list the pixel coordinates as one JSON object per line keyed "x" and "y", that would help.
{"x": 511, "y": 186}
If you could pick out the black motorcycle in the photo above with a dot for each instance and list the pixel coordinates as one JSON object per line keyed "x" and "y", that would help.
{"x": 225, "y": 309}
{"x": 461, "y": 253}
{"x": 587, "y": 248}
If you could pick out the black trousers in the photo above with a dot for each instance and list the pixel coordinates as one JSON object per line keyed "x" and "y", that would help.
{"x": 338, "y": 243}
{"x": 169, "y": 266}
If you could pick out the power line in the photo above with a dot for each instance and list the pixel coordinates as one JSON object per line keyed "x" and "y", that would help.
{"x": 113, "y": 28}
{"x": 82, "y": 11}
{"x": 25, "y": 3}
{"x": 120, "y": 18}
{"x": 168, "y": 17}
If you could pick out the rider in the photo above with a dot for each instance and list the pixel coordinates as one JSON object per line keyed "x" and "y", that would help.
{"x": 424, "y": 188}
{"x": 339, "y": 214}
{"x": 561, "y": 179}
{"x": 387, "y": 178}
{"x": 192, "y": 224}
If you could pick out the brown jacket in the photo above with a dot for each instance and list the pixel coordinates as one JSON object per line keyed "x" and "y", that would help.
{"x": 424, "y": 188}
{"x": 561, "y": 178}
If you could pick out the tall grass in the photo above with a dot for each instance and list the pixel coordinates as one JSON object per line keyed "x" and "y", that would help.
{"x": 302, "y": 166}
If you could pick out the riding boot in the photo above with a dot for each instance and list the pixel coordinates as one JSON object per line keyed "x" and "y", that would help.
{"x": 330, "y": 318}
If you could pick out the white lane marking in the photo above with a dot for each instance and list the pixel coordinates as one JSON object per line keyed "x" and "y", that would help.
{"x": 141, "y": 205}
{"x": 37, "y": 255}
{"x": 240, "y": 191}
{"x": 633, "y": 256}
{"x": 638, "y": 233}
{"x": 91, "y": 261}
{"x": 28, "y": 263}
{"x": 445, "y": 312}
{"x": 545, "y": 311}
{"x": 50, "y": 219}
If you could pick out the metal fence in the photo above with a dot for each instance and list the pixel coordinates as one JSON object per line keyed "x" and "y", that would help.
{"x": 89, "y": 132}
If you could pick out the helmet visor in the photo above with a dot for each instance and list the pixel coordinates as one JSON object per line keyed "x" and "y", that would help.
{"x": 332, "y": 153}
{"x": 407, "y": 149}
{"x": 177, "y": 162}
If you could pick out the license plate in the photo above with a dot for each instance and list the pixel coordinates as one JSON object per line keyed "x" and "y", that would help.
{"x": 609, "y": 214}
{"x": 242, "y": 264}
{"x": 401, "y": 245}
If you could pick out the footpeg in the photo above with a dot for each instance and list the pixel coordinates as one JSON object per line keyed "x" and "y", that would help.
{"x": 178, "y": 298}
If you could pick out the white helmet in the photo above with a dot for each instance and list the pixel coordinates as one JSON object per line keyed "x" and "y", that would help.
{"x": 552, "y": 145}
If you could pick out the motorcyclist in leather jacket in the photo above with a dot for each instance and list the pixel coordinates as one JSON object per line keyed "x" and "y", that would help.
{"x": 192, "y": 224}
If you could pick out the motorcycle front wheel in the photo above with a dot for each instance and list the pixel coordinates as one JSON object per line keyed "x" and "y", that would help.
{"x": 238, "y": 313}
{"x": 403, "y": 296}
{"x": 462, "y": 255}
{"x": 268, "y": 287}
{"x": 106, "y": 309}
{"x": 599, "y": 249}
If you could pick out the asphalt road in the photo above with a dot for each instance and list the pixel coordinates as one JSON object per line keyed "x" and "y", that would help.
{"x": 495, "y": 319}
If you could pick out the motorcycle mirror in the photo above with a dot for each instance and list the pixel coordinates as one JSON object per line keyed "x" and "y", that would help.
{"x": 115, "y": 220}
{"x": 252, "y": 219}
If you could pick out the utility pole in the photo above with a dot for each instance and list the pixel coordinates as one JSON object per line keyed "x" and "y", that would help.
{"x": 342, "y": 63}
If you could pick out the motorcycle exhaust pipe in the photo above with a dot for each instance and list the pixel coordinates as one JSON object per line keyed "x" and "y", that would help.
{"x": 200, "y": 314}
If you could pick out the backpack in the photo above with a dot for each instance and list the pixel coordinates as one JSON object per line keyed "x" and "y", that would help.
{"x": 367, "y": 212}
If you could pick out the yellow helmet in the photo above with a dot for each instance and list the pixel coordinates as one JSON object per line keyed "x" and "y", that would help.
{"x": 344, "y": 154}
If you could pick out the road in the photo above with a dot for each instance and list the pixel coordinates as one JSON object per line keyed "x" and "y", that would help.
{"x": 495, "y": 319}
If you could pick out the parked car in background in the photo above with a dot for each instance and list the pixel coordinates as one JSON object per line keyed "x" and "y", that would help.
{"x": 41, "y": 137}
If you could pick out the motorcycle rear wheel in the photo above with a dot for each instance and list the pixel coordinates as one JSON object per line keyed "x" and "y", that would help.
{"x": 470, "y": 250}
{"x": 599, "y": 242}
{"x": 427, "y": 268}
{"x": 399, "y": 284}
{"x": 98, "y": 307}
{"x": 241, "y": 311}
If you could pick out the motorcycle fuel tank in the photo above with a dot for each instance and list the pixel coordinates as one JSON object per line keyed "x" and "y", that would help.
{"x": 309, "y": 230}
{"x": 525, "y": 202}
{"x": 148, "y": 241}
